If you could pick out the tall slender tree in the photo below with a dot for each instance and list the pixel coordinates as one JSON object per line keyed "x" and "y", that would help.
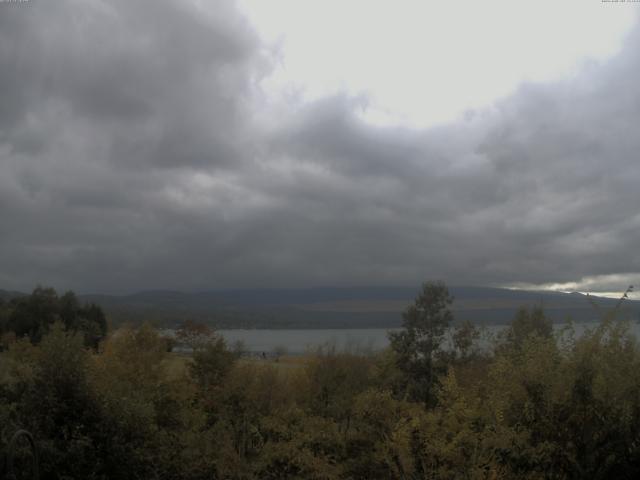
{"x": 418, "y": 345}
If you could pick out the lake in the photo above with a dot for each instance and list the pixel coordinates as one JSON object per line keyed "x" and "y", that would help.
{"x": 297, "y": 341}
{"x": 300, "y": 341}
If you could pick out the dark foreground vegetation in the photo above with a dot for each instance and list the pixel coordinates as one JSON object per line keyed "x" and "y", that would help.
{"x": 534, "y": 406}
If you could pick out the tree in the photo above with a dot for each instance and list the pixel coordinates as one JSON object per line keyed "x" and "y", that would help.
{"x": 334, "y": 379}
{"x": 91, "y": 321}
{"x": 211, "y": 363}
{"x": 529, "y": 322}
{"x": 33, "y": 315}
{"x": 418, "y": 345}
{"x": 464, "y": 337}
{"x": 59, "y": 408}
{"x": 195, "y": 335}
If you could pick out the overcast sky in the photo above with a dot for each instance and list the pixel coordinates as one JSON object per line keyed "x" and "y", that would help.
{"x": 193, "y": 145}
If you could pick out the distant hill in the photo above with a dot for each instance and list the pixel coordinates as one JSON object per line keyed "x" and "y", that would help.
{"x": 333, "y": 307}
{"x": 8, "y": 295}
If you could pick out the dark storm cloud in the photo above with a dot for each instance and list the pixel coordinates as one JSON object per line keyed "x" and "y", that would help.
{"x": 103, "y": 105}
{"x": 137, "y": 151}
{"x": 160, "y": 83}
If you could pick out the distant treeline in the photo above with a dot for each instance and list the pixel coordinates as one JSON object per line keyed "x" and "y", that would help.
{"x": 537, "y": 405}
{"x": 32, "y": 316}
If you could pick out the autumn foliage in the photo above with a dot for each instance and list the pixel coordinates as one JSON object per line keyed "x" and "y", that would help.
{"x": 533, "y": 403}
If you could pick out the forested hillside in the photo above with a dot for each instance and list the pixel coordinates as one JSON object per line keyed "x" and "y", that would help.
{"x": 362, "y": 307}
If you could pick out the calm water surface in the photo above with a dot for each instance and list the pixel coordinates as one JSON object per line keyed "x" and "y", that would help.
{"x": 301, "y": 341}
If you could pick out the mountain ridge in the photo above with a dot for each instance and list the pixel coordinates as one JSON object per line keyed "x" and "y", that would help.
{"x": 335, "y": 307}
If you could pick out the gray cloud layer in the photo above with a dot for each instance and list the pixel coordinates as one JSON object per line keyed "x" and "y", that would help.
{"x": 137, "y": 151}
